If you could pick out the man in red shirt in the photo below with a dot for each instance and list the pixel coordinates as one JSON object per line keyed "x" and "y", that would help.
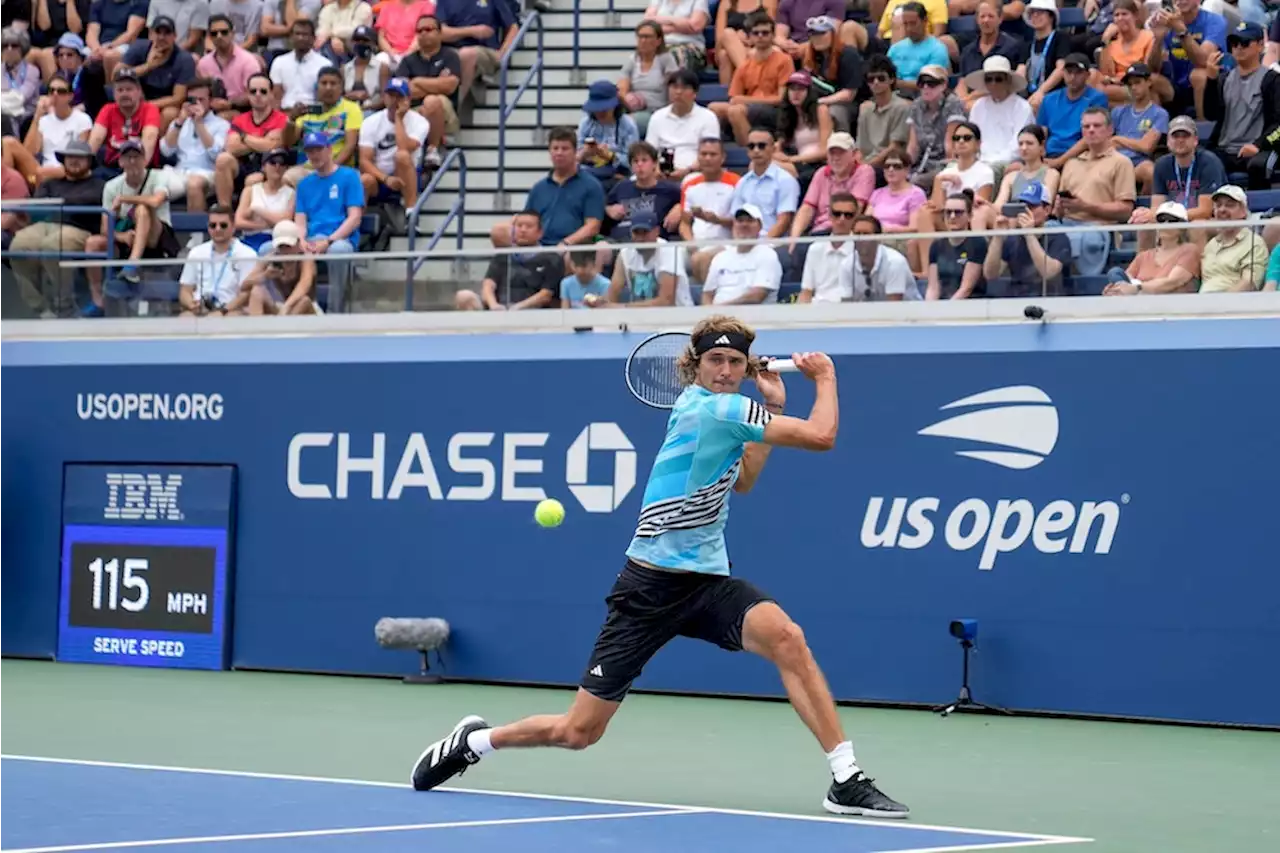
{"x": 130, "y": 118}
{"x": 252, "y": 135}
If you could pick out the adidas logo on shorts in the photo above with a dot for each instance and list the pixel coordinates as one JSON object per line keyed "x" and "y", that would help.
{"x": 597, "y": 671}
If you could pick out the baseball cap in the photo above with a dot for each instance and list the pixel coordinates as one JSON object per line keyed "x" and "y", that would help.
{"x": 363, "y": 33}
{"x": 125, "y": 75}
{"x": 71, "y": 41}
{"x": 286, "y": 233}
{"x": 1183, "y": 124}
{"x": 1232, "y": 191}
{"x": 643, "y": 220}
{"x": 750, "y": 210}
{"x": 1172, "y": 208}
{"x": 800, "y": 78}
{"x": 315, "y": 139}
{"x": 1077, "y": 60}
{"x": 1244, "y": 33}
{"x": 1034, "y": 193}
{"x": 935, "y": 72}
{"x": 842, "y": 140}
{"x": 163, "y": 22}
{"x": 130, "y": 145}
{"x": 821, "y": 24}
{"x": 399, "y": 85}
{"x": 1137, "y": 69}
{"x": 277, "y": 154}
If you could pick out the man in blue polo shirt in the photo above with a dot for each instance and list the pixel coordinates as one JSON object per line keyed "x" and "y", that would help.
{"x": 477, "y": 29}
{"x": 328, "y": 209}
{"x": 1061, "y": 110}
{"x": 569, "y": 202}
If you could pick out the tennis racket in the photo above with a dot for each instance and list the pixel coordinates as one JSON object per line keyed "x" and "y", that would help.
{"x": 652, "y": 376}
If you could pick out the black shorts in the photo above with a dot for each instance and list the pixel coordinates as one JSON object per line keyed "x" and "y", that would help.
{"x": 648, "y": 608}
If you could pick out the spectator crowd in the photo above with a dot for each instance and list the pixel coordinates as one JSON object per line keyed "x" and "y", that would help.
{"x": 920, "y": 119}
{"x": 285, "y": 120}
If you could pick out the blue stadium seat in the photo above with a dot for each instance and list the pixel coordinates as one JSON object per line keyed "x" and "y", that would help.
{"x": 735, "y": 157}
{"x": 710, "y": 93}
{"x": 1071, "y": 17}
{"x": 963, "y": 25}
{"x": 1262, "y": 200}
{"x": 1204, "y": 129}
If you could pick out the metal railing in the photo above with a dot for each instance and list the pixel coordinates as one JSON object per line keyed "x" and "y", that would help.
{"x": 457, "y": 210}
{"x": 506, "y": 107}
{"x": 611, "y": 20}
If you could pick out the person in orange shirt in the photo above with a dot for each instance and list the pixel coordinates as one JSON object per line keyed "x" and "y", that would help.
{"x": 759, "y": 83}
{"x": 1127, "y": 43}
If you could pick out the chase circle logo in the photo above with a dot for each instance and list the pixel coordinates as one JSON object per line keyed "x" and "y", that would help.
{"x": 1013, "y": 427}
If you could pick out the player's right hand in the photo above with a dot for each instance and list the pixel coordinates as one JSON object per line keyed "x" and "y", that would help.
{"x": 814, "y": 365}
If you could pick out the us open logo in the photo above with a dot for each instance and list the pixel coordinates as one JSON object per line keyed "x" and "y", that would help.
{"x": 1020, "y": 418}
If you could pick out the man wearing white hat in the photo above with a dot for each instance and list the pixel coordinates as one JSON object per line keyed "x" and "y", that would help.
{"x": 1000, "y": 113}
{"x": 1049, "y": 50}
{"x": 1235, "y": 260}
{"x": 746, "y": 274}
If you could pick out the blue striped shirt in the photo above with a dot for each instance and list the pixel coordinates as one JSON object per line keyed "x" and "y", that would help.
{"x": 686, "y": 502}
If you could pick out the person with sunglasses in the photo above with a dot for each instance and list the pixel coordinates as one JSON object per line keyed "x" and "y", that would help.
{"x": 955, "y": 264}
{"x": 934, "y": 118}
{"x": 55, "y": 124}
{"x": 230, "y": 63}
{"x": 266, "y": 203}
{"x": 826, "y": 261}
{"x": 882, "y": 121}
{"x": 252, "y": 134}
{"x": 212, "y": 279}
{"x": 999, "y": 111}
{"x": 434, "y": 72}
{"x": 759, "y": 84}
{"x": 897, "y": 206}
{"x": 1171, "y": 267}
{"x": 793, "y": 19}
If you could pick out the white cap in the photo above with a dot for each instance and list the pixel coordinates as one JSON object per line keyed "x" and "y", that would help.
{"x": 286, "y": 233}
{"x": 1172, "y": 208}
{"x": 751, "y": 210}
{"x": 1232, "y": 191}
{"x": 1042, "y": 5}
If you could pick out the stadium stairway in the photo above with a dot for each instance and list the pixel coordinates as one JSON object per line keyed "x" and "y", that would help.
{"x": 605, "y": 44}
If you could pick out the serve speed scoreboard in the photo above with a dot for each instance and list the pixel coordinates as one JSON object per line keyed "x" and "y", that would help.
{"x": 146, "y": 565}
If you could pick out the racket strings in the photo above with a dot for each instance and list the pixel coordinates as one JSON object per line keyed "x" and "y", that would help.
{"x": 653, "y": 370}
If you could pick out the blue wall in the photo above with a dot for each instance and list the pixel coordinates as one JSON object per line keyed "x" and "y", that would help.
{"x": 1167, "y": 604}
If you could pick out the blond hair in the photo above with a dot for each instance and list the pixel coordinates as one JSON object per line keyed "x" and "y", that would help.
{"x": 687, "y": 363}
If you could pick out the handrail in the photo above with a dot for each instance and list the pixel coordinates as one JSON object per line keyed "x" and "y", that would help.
{"x": 504, "y": 108}
{"x": 610, "y": 16}
{"x": 44, "y": 209}
{"x": 458, "y": 209}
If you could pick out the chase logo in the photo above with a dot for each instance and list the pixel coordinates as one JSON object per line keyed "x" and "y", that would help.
{"x": 1015, "y": 427}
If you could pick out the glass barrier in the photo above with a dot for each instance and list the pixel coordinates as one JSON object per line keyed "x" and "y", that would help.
{"x": 57, "y": 264}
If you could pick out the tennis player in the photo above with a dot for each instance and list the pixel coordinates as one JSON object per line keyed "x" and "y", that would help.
{"x": 676, "y": 580}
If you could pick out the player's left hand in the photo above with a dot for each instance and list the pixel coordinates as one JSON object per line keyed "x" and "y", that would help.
{"x": 772, "y": 388}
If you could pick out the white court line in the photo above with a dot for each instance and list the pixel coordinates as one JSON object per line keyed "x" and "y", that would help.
{"x": 348, "y": 830}
{"x": 992, "y": 845}
{"x": 1040, "y": 839}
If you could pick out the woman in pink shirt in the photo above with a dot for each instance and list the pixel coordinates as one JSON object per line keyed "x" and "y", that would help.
{"x": 896, "y": 205}
{"x": 397, "y": 24}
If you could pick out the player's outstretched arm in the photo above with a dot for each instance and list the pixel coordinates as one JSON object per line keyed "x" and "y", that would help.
{"x": 818, "y": 431}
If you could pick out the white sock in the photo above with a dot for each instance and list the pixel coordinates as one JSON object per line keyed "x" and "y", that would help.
{"x": 479, "y": 743}
{"x": 842, "y": 763}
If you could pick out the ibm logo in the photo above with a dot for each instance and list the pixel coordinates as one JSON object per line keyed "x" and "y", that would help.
{"x": 151, "y": 497}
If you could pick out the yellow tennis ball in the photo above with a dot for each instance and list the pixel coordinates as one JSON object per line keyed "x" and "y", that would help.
{"x": 549, "y": 513}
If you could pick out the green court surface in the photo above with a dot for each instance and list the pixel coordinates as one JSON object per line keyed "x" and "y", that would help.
{"x": 1129, "y": 787}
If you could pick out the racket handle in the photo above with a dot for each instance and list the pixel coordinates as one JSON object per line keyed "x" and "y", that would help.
{"x": 780, "y": 365}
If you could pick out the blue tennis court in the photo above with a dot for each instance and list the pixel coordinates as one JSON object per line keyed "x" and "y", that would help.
{"x": 55, "y": 805}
